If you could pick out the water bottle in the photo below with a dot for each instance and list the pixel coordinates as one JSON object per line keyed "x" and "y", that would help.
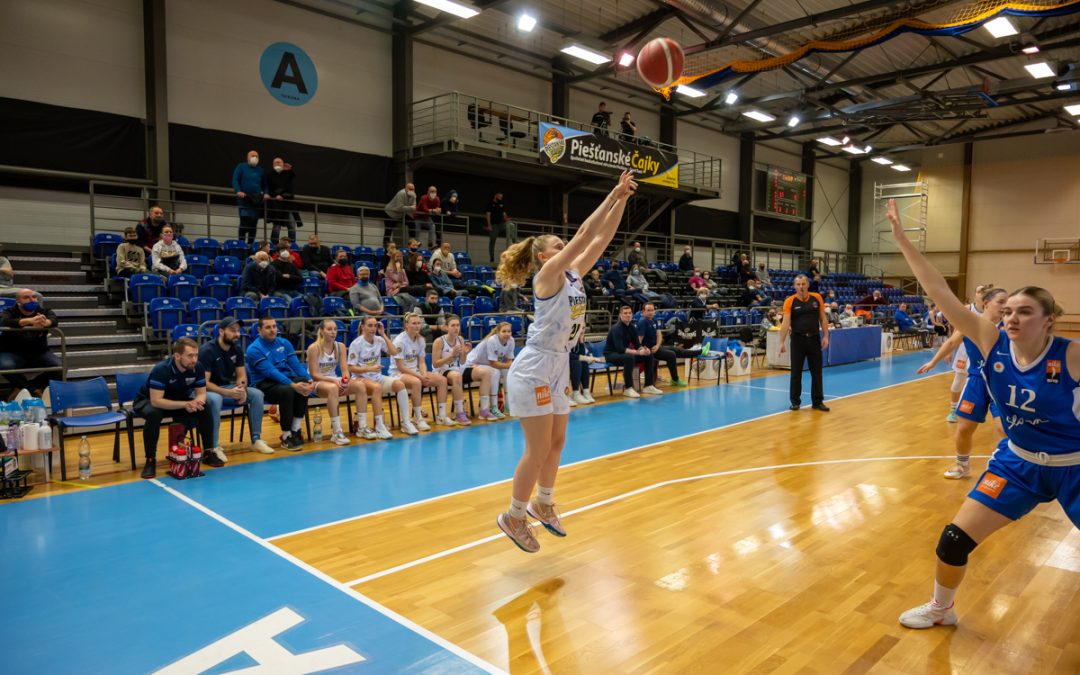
{"x": 84, "y": 459}
{"x": 45, "y": 437}
{"x": 316, "y": 434}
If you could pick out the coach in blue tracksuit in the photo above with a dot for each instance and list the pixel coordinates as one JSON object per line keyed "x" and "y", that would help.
{"x": 277, "y": 372}
{"x": 249, "y": 184}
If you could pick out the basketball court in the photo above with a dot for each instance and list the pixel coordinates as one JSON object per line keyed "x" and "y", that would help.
{"x": 710, "y": 530}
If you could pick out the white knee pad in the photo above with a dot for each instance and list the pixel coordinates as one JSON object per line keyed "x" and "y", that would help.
{"x": 958, "y": 381}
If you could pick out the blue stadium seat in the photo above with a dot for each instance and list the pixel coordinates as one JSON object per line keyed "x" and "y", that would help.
{"x": 474, "y": 329}
{"x": 183, "y": 287}
{"x": 204, "y": 308}
{"x": 482, "y": 304}
{"x": 164, "y": 314}
{"x": 390, "y": 306}
{"x": 145, "y": 287}
{"x": 104, "y": 244}
{"x": 217, "y": 286}
{"x": 207, "y": 246}
{"x": 275, "y": 307}
{"x": 298, "y": 307}
{"x": 463, "y": 307}
{"x": 227, "y": 264}
{"x": 198, "y": 265}
{"x": 185, "y": 330}
{"x": 393, "y": 325}
{"x": 312, "y": 286}
{"x": 242, "y": 308}
{"x": 332, "y": 305}
{"x": 234, "y": 247}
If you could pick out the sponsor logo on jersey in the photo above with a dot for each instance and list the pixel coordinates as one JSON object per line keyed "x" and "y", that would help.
{"x": 1053, "y": 371}
{"x": 992, "y": 485}
{"x": 966, "y": 406}
{"x": 999, "y": 367}
{"x": 543, "y": 395}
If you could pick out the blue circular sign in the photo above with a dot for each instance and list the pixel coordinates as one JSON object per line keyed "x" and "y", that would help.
{"x": 288, "y": 73}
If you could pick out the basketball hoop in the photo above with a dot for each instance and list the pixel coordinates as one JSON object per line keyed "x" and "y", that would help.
{"x": 1059, "y": 256}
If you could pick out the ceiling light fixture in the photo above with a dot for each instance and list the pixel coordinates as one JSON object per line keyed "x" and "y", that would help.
{"x": 585, "y": 54}
{"x": 829, "y": 140}
{"x": 1030, "y": 49}
{"x": 731, "y": 98}
{"x": 884, "y": 161}
{"x": 451, "y": 7}
{"x": 1040, "y": 70}
{"x": 1064, "y": 86}
{"x": 900, "y": 167}
{"x": 1001, "y": 27}
{"x": 627, "y": 59}
{"x": 526, "y": 22}
{"x": 759, "y": 116}
{"x": 845, "y": 140}
{"x": 793, "y": 121}
{"x": 1073, "y": 109}
{"x": 687, "y": 90}
{"x": 853, "y": 149}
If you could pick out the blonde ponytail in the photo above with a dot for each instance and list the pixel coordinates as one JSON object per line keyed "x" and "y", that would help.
{"x": 520, "y": 260}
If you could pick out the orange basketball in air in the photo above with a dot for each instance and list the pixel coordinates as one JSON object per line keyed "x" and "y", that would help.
{"x": 660, "y": 62}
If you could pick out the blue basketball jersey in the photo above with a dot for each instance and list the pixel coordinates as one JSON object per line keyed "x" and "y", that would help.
{"x": 1039, "y": 404}
{"x": 974, "y": 357}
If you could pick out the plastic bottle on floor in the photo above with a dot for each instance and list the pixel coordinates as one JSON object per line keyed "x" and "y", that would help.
{"x": 84, "y": 459}
{"x": 316, "y": 433}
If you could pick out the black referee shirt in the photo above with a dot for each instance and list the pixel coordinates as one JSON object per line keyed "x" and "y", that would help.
{"x": 805, "y": 315}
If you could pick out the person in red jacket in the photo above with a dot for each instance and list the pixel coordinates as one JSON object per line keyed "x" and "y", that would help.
{"x": 429, "y": 205}
{"x": 340, "y": 277}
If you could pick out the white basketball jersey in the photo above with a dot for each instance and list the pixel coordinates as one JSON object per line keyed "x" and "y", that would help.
{"x": 327, "y": 362}
{"x": 366, "y": 354}
{"x": 559, "y": 319}
{"x": 490, "y": 349}
{"x": 447, "y": 348}
{"x": 410, "y": 351}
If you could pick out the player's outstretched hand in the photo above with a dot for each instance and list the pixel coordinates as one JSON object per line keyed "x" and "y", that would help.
{"x": 923, "y": 369}
{"x": 626, "y": 185}
{"x": 893, "y": 215}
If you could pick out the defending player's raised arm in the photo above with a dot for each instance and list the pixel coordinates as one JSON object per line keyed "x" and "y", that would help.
{"x": 981, "y": 332}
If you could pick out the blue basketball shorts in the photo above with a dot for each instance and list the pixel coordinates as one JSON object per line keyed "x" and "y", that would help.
{"x": 975, "y": 401}
{"x": 1013, "y": 486}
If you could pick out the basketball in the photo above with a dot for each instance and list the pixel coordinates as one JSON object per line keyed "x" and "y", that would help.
{"x": 660, "y": 62}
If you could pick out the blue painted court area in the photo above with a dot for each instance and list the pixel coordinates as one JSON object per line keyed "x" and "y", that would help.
{"x": 133, "y": 578}
{"x": 274, "y": 498}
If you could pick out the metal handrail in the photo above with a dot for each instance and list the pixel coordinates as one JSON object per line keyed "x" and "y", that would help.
{"x": 53, "y": 330}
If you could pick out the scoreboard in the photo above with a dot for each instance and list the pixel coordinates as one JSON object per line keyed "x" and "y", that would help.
{"x": 785, "y": 192}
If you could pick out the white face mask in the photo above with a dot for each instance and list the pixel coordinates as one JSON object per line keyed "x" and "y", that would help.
{"x": 278, "y": 168}
{"x": 432, "y": 194}
{"x": 411, "y": 194}
{"x": 263, "y": 264}
{"x": 284, "y": 257}
{"x": 419, "y": 264}
{"x": 253, "y": 161}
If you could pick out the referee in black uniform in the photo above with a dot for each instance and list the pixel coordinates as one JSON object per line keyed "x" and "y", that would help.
{"x": 804, "y": 318}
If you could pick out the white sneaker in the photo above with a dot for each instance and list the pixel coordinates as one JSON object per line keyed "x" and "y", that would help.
{"x": 339, "y": 438}
{"x": 445, "y": 421}
{"x": 630, "y": 393}
{"x": 571, "y": 401}
{"x": 651, "y": 390}
{"x": 219, "y": 452}
{"x": 959, "y": 470}
{"x": 382, "y": 432}
{"x": 409, "y": 428}
{"x": 928, "y": 616}
{"x": 261, "y": 446}
{"x": 369, "y": 434}
{"x": 587, "y": 395}
{"x": 422, "y": 424}
{"x": 577, "y": 397}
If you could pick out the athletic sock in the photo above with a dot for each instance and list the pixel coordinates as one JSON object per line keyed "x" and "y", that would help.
{"x": 285, "y": 435}
{"x": 335, "y": 424}
{"x": 378, "y": 421}
{"x": 361, "y": 421}
{"x": 403, "y": 404}
{"x": 459, "y": 405}
{"x": 943, "y": 597}
{"x": 952, "y": 408}
{"x": 442, "y": 410}
{"x": 517, "y": 509}
{"x": 418, "y": 413}
{"x": 963, "y": 459}
{"x": 485, "y": 403}
{"x": 296, "y": 424}
{"x": 544, "y": 494}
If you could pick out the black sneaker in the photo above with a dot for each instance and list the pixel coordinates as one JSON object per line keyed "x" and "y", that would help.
{"x": 293, "y": 442}
{"x": 820, "y": 406}
{"x": 794, "y": 406}
{"x": 150, "y": 469}
{"x": 210, "y": 459}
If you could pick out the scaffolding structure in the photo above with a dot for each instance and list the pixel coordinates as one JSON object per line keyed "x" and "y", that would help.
{"x": 912, "y": 202}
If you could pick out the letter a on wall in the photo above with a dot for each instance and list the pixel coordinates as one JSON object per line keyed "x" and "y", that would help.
{"x": 288, "y": 73}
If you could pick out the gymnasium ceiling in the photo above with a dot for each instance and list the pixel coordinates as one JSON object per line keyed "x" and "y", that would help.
{"x": 908, "y": 92}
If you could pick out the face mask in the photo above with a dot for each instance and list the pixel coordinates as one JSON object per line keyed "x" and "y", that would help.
{"x": 362, "y": 281}
{"x": 437, "y": 269}
{"x": 133, "y": 240}
{"x": 167, "y": 238}
{"x": 419, "y": 264}
{"x": 253, "y": 161}
{"x": 278, "y": 168}
{"x": 431, "y": 195}
{"x": 410, "y": 194}
{"x": 344, "y": 262}
{"x": 263, "y": 264}
{"x": 159, "y": 219}
{"x": 284, "y": 257}
{"x": 30, "y": 306}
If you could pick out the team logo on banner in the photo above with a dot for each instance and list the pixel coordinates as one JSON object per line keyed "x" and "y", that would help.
{"x": 587, "y": 151}
{"x": 288, "y": 73}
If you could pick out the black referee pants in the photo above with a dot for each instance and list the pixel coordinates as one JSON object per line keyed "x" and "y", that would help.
{"x": 806, "y": 348}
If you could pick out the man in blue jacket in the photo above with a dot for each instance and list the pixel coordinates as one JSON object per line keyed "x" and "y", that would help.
{"x": 277, "y": 372}
{"x": 249, "y": 184}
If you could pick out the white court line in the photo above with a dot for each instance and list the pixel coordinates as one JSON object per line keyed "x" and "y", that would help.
{"x": 609, "y": 455}
{"x": 642, "y": 490}
{"x": 785, "y": 391}
{"x": 388, "y": 613}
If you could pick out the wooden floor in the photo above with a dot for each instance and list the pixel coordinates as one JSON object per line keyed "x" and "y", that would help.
{"x": 790, "y": 568}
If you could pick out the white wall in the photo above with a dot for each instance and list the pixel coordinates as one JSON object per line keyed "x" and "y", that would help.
{"x": 436, "y": 71}
{"x": 716, "y": 144}
{"x": 830, "y": 230}
{"x": 213, "y": 60}
{"x": 76, "y": 53}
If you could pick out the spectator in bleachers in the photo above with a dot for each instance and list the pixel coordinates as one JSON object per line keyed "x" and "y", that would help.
{"x": 340, "y": 277}
{"x": 441, "y": 281}
{"x": 903, "y": 320}
{"x": 580, "y": 358}
{"x": 176, "y": 388}
{"x": 397, "y": 285}
{"x": 452, "y": 205}
{"x": 701, "y": 300}
{"x": 636, "y": 256}
{"x": 628, "y": 127}
{"x": 388, "y": 253}
{"x": 696, "y": 281}
{"x": 414, "y": 248}
{"x": 400, "y": 210}
{"x": 654, "y": 340}
{"x": 283, "y": 380}
{"x": 710, "y": 283}
{"x": 615, "y": 282}
{"x": 870, "y": 302}
{"x": 364, "y": 295}
{"x": 935, "y": 319}
{"x": 594, "y": 285}
{"x": 639, "y": 289}
{"x": 429, "y": 205}
{"x": 624, "y": 348}
{"x": 448, "y": 355}
{"x": 130, "y": 257}
{"x": 830, "y": 295}
{"x": 433, "y": 314}
{"x": 745, "y": 271}
{"x": 249, "y": 184}
{"x": 226, "y": 377}
{"x": 752, "y": 295}
{"x": 848, "y": 313}
{"x": 418, "y": 273}
{"x": 29, "y": 347}
{"x": 601, "y": 120}
{"x": 326, "y": 362}
{"x": 832, "y": 313}
{"x": 508, "y": 298}
{"x": 495, "y": 222}
{"x": 315, "y": 258}
{"x": 410, "y": 366}
{"x": 686, "y": 262}
{"x": 282, "y": 211}
{"x": 288, "y": 278}
{"x": 7, "y": 278}
{"x": 263, "y": 246}
{"x": 167, "y": 256}
{"x": 763, "y": 274}
{"x": 149, "y": 228}
{"x": 285, "y": 244}
{"x": 259, "y": 280}
{"x": 445, "y": 257}
{"x": 365, "y": 356}
{"x": 495, "y": 353}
